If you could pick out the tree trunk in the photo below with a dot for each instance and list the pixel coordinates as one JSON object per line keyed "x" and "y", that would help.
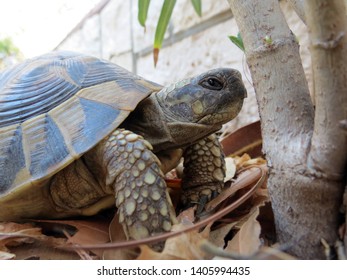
{"x": 305, "y": 186}
{"x": 298, "y": 6}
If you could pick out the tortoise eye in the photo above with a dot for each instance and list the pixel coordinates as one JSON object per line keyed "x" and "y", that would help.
{"x": 212, "y": 83}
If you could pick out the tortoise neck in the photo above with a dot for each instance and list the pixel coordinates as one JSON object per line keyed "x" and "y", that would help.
{"x": 149, "y": 121}
{"x": 162, "y": 130}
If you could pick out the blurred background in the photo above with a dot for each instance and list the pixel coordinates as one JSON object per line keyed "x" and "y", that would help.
{"x": 109, "y": 29}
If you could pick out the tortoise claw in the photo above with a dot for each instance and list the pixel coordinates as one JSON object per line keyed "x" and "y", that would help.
{"x": 214, "y": 194}
{"x": 201, "y": 204}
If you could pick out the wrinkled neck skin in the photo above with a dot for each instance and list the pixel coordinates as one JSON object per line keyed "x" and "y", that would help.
{"x": 161, "y": 130}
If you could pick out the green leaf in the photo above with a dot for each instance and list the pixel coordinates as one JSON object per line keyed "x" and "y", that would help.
{"x": 7, "y": 47}
{"x": 197, "y": 6}
{"x": 268, "y": 40}
{"x": 237, "y": 40}
{"x": 163, "y": 22}
{"x": 143, "y": 11}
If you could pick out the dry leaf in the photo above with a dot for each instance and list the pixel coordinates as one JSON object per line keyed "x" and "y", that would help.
{"x": 47, "y": 250}
{"x": 217, "y": 236}
{"x": 91, "y": 231}
{"x": 241, "y": 160}
{"x": 14, "y": 234}
{"x": 117, "y": 234}
{"x": 246, "y": 178}
{"x": 247, "y": 241}
{"x": 187, "y": 215}
{"x": 87, "y": 231}
{"x": 230, "y": 169}
{"x": 26, "y": 241}
{"x": 6, "y": 255}
{"x": 148, "y": 254}
{"x": 247, "y": 139}
{"x": 186, "y": 246}
{"x": 245, "y": 160}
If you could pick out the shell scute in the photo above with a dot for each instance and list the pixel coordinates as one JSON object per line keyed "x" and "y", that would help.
{"x": 55, "y": 107}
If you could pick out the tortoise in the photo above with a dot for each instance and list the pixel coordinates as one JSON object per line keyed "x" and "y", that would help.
{"x": 79, "y": 134}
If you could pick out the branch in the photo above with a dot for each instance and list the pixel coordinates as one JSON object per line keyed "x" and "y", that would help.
{"x": 326, "y": 20}
{"x": 285, "y": 107}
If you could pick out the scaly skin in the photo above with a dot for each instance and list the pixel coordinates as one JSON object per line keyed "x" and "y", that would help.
{"x": 134, "y": 174}
{"x": 204, "y": 172}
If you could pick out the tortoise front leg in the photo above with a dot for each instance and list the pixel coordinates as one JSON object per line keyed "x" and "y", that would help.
{"x": 133, "y": 173}
{"x": 204, "y": 172}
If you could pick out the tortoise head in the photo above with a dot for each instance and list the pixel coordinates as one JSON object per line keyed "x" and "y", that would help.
{"x": 196, "y": 107}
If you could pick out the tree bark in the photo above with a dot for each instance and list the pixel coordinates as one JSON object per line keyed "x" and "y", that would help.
{"x": 298, "y": 6}
{"x": 304, "y": 201}
{"x": 327, "y": 25}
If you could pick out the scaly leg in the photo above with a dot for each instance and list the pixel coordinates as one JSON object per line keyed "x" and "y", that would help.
{"x": 204, "y": 172}
{"x": 133, "y": 172}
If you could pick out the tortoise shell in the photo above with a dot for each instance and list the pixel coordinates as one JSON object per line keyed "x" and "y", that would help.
{"x": 54, "y": 108}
